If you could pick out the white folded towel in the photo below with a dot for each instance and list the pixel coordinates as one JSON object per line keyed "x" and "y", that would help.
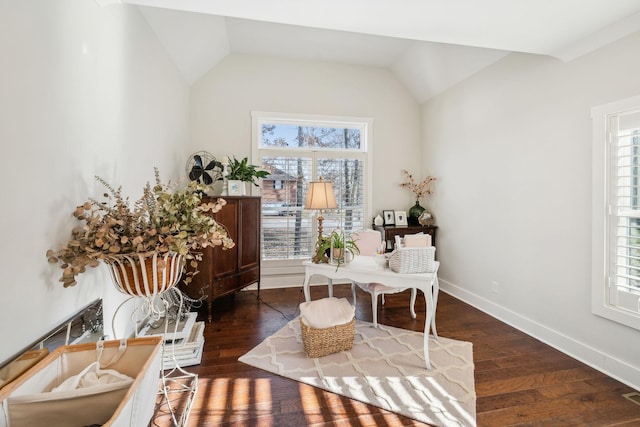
{"x": 327, "y": 312}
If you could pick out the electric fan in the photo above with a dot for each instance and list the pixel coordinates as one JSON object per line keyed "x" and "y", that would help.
{"x": 202, "y": 167}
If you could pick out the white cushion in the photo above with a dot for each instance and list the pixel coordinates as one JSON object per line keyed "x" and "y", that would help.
{"x": 417, "y": 240}
{"x": 327, "y": 312}
{"x": 379, "y": 288}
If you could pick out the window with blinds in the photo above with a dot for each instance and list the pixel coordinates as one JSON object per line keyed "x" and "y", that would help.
{"x": 297, "y": 150}
{"x": 624, "y": 216}
{"x": 616, "y": 212}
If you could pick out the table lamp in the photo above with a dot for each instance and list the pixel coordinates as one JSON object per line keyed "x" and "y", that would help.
{"x": 320, "y": 197}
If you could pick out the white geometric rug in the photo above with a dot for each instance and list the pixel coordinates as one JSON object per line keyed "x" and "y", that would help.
{"x": 385, "y": 368}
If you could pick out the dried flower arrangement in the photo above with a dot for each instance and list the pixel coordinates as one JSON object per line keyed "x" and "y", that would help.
{"x": 420, "y": 189}
{"x": 164, "y": 219}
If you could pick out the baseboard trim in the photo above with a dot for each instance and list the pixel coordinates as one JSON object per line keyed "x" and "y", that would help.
{"x": 605, "y": 363}
{"x": 290, "y": 281}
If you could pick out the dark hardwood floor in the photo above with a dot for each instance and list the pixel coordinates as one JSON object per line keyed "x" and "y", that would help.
{"x": 519, "y": 380}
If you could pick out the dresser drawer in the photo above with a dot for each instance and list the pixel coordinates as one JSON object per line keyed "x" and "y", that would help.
{"x": 224, "y": 286}
{"x": 249, "y": 277}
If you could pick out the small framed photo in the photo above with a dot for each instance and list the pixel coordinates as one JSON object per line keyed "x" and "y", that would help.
{"x": 389, "y": 217}
{"x": 401, "y": 218}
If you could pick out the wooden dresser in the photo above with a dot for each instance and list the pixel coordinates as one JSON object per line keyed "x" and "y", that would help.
{"x": 223, "y": 272}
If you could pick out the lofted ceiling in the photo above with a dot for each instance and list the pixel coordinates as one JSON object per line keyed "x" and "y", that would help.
{"x": 430, "y": 45}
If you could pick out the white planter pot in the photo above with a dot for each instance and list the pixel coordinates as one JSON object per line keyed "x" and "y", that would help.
{"x": 236, "y": 188}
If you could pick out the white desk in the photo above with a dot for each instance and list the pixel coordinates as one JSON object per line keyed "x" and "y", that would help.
{"x": 426, "y": 282}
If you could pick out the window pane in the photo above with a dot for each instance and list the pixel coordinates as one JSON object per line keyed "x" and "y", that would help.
{"x": 296, "y": 154}
{"x": 287, "y": 231}
{"x": 295, "y": 136}
{"x": 348, "y": 187}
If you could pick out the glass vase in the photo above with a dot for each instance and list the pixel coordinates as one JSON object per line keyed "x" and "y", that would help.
{"x": 414, "y": 213}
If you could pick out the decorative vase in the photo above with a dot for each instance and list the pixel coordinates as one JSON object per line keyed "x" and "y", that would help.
{"x": 145, "y": 274}
{"x": 414, "y": 213}
{"x": 426, "y": 219}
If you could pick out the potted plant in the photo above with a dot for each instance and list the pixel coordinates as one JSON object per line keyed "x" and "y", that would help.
{"x": 241, "y": 170}
{"x": 337, "y": 242}
{"x": 164, "y": 221}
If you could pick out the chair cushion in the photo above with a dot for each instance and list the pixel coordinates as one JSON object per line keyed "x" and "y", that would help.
{"x": 369, "y": 241}
{"x": 378, "y": 288}
{"x": 417, "y": 240}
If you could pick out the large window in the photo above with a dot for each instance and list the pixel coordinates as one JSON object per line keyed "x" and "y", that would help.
{"x": 616, "y": 212}
{"x": 298, "y": 149}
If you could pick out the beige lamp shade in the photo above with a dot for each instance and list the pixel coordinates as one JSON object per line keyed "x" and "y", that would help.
{"x": 320, "y": 196}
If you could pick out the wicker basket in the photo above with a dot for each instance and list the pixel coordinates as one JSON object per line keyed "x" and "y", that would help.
{"x": 413, "y": 260}
{"x": 321, "y": 342}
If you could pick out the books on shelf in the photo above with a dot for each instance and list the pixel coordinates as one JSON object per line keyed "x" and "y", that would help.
{"x": 183, "y": 345}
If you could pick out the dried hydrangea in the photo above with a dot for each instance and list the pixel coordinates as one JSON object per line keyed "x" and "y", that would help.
{"x": 165, "y": 219}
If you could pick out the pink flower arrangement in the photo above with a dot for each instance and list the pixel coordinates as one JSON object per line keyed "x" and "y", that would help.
{"x": 420, "y": 189}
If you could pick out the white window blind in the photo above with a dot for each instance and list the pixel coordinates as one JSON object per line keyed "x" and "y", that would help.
{"x": 285, "y": 223}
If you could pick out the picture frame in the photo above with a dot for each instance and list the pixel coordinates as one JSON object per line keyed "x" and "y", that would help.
{"x": 389, "y": 217}
{"x": 401, "y": 218}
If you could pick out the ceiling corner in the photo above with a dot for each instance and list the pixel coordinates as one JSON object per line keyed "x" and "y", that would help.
{"x": 195, "y": 42}
{"x": 600, "y": 38}
{"x": 427, "y": 69}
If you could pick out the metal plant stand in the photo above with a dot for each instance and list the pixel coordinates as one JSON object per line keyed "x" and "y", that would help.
{"x": 167, "y": 306}
{"x": 176, "y": 380}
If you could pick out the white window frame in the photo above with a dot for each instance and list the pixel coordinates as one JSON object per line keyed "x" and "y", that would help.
{"x": 603, "y": 300}
{"x": 279, "y": 267}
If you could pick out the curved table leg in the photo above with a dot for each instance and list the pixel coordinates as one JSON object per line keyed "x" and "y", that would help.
{"x": 305, "y": 286}
{"x": 429, "y": 315}
{"x": 353, "y": 293}
{"x": 436, "y": 289}
{"x": 374, "y": 308}
{"x": 412, "y": 307}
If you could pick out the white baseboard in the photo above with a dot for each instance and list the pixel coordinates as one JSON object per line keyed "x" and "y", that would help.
{"x": 605, "y": 363}
{"x": 289, "y": 281}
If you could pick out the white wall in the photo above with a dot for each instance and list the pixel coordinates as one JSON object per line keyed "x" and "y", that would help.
{"x": 84, "y": 91}
{"x": 222, "y": 101}
{"x": 511, "y": 147}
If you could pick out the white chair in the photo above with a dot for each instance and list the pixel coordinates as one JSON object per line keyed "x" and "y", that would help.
{"x": 369, "y": 243}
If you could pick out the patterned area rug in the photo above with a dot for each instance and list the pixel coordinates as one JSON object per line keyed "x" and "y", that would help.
{"x": 385, "y": 368}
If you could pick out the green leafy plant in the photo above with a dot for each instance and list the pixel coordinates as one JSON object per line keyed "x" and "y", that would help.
{"x": 243, "y": 171}
{"x": 335, "y": 240}
{"x": 165, "y": 219}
